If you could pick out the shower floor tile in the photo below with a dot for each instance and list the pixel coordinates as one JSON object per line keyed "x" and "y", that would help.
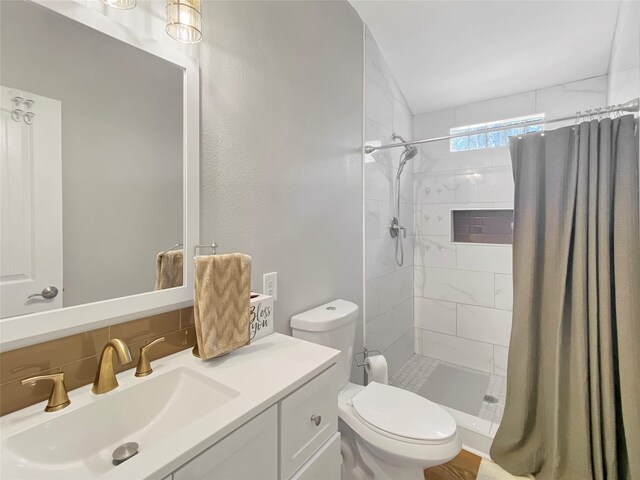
{"x": 415, "y": 372}
{"x": 456, "y": 388}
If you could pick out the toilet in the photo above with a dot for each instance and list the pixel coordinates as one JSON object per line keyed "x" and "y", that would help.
{"x": 387, "y": 433}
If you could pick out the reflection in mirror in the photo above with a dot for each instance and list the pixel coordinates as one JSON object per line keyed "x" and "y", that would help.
{"x": 92, "y": 165}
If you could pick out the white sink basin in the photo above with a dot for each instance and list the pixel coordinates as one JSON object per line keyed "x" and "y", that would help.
{"x": 79, "y": 442}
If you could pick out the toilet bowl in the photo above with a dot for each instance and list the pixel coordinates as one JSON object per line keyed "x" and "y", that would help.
{"x": 387, "y": 433}
{"x": 398, "y": 433}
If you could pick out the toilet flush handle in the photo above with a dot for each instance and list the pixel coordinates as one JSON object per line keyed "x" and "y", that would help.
{"x": 316, "y": 419}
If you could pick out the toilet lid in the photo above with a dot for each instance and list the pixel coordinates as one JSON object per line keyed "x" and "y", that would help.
{"x": 403, "y": 413}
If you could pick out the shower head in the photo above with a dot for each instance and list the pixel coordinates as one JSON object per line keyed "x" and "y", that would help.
{"x": 409, "y": 150}
{"x": 407, "y": 154}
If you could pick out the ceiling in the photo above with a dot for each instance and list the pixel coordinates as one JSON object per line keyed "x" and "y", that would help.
{"x": 445, "y": 53}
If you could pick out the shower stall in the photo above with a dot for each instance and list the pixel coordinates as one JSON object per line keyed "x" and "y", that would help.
{"x": 409, "y": 194}
{"x": 438, "y": 214}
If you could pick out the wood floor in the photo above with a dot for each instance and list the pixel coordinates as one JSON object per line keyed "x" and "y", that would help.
{"x": 463, "y": 467}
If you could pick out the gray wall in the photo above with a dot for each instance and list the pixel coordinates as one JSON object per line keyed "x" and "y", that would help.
{"x": 281, "y": 167}
{"x": 121, "y": 147}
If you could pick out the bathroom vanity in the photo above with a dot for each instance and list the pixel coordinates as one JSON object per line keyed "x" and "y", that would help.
{"x": 268, "y": 410}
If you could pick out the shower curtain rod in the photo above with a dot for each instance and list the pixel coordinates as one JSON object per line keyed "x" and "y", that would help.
{"x": 631, "y": 106}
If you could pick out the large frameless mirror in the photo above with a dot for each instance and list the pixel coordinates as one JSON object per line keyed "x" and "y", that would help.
{"x": 94, "y": 165}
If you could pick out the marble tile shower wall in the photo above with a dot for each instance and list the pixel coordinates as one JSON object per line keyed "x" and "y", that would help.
{"x": 463, "y": 293}
{"x": 389, "y": 288}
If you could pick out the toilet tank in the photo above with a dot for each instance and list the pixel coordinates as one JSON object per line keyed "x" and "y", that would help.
{"x": 333, "y": 325}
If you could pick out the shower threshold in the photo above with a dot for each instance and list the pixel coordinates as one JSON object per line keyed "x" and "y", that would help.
{"x": 467, "y": 394}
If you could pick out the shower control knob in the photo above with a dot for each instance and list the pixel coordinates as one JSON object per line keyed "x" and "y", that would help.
{"x": 316, "y": 419}
{"x": 395, "y": 228}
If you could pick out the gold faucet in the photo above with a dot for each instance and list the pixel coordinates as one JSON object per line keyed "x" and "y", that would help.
{"x": 144, "y": 366}
{"x": 106, "y": 380}
{"x": 58, "y": 398}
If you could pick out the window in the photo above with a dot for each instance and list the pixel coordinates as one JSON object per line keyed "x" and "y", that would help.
{"x": 498, "y": 138}
{"x": 482, "y": 226}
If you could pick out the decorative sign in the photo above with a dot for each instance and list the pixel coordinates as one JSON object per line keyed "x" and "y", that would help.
{"x": 261, "y": 316}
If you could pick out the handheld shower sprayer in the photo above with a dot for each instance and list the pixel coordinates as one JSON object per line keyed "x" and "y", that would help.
{"x": 407, "y": 154}
{"x": 395, "y": 229}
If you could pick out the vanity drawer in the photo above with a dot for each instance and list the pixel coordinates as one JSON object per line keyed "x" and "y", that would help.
{"x": 325, "y": 463}
{"x": 248, "y": 452}
{"x": 308, "y": 418}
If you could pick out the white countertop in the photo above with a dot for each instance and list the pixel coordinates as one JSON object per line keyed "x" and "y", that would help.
{"x": 263, "y": 373}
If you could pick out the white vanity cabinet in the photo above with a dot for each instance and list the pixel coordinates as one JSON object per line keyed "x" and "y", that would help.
{"x": 296, "y": 438}
{"x": 324, "y": 464}
{"x": 250, "y": 452}
{"x": 308, "y": 419}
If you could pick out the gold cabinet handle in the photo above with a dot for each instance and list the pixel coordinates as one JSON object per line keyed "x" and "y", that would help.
{"x": 58, "y": 398}
{"x": 144, "y": 366}
{"x": 316, "y": 419}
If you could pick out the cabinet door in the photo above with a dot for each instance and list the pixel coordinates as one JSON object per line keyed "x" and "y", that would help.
{"x": 251, "y": 452}
{"x": 325, "y": 463}
{"x": 308, "y": 418}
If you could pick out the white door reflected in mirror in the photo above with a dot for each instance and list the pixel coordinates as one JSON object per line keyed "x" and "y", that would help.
{"x": 31, "y": 229}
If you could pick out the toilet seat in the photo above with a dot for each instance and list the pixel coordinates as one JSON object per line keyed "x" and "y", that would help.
{"x": 403, "y": 415}
{"x": 393, "y": 449}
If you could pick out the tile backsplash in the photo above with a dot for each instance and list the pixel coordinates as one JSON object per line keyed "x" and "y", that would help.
{"x": 77, "y": 355}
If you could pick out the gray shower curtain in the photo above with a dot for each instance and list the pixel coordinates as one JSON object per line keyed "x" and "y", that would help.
{"x": 573, "y": 396}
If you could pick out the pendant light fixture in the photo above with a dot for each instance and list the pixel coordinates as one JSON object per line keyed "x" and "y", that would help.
{"x": 120, "y": 4}
{"x": 184, "y": 20}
